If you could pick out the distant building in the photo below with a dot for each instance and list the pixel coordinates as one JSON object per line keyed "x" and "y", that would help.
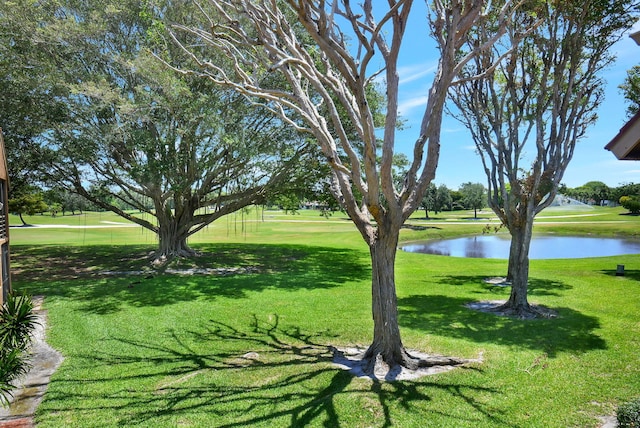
{"x": 626, "y": 145}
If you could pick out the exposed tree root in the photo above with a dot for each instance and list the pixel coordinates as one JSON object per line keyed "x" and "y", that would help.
{"x": 413, "y": 365}
{"x": 507, "y": 310}
{"x": 163, "y": 258}
{"x": 520, "y": 311}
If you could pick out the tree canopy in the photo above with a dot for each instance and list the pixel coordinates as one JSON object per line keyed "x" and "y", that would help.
{"x": 29, "y": 89}
{"x": 631, "y": 90}
{"x": 170, "y": 152}
{"x": 474, "y": 196}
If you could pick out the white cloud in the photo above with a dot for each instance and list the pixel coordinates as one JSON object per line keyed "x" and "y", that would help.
{"x": 414, "y": 72}
{"x": 406, "y": 106}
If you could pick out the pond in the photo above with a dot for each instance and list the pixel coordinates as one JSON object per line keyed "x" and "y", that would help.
{"x": 542, "y": 247}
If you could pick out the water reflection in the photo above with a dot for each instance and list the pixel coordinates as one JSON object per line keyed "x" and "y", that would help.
{"x": 542, "y": 247}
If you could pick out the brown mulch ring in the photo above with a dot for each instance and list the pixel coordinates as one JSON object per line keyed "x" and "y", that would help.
{"x": 17, "y": 423}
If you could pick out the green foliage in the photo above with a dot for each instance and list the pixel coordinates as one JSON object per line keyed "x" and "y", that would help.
{"x": 289, "y": 203}
{"x": 17, "y": 322}
{"x": 597, "y": 191}
{"x": 594, "y": 192}
{"x": 443, "y": 198}
{"x": 627, "y": 189}
{"x": 628, "y": 414}
{"x": 632, "y": 203}
{"x": 30, "y": 88}
{"x": 474, "y": 196}
{"x": 55, "y": 208}
{"x": 429, "y": 199}
{"x": 27, "y": 203}
{"x": 437, "y": 198}
{"x": 399, "y": 169}
{"x": 631, "y": 90}
{"x": 65, "y": 201}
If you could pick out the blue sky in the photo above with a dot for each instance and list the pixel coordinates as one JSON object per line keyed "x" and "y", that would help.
{"x": 458, "y": 161}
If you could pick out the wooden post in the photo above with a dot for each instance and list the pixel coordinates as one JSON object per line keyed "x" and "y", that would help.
{"x": 5, "y": 273}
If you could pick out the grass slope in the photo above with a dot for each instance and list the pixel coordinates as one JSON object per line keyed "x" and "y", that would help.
{"x": 250, "y": 347}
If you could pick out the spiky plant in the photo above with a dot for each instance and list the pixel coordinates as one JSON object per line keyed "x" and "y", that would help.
{"x": 17, "y": 322}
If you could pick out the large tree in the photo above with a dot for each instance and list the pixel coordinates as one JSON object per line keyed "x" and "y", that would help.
{"x": 170, "y": 152}
{"x": 527, "y": 117}
{"x": 597, "y": 191}
{"x": 326, "y": 96}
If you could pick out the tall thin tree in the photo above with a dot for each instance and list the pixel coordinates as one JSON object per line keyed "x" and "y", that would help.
{"x": 527, "y": 117}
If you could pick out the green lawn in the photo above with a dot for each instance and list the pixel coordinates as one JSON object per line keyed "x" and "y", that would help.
{"x": 250, "y": 348}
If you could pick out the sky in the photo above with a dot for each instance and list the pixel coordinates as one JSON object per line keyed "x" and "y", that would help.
{"x": 459, "y": 163}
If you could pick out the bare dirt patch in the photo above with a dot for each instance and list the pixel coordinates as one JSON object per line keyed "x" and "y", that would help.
{"x": 495, "y": 307}
{"x": 351, "y": 359}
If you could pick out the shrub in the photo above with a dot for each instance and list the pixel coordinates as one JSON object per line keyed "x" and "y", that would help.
{"x": 17, "y": 322}
{"x": 631, "y": 203}
{"x": 629, "y": 414}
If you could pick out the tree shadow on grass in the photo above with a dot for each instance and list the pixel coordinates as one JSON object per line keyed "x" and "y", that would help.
{"x": 448, "y": 316}
{"x": 105, "y": 278}
{"x": 419, "y": 227}
{"x": 537, "y": 286}
{"x": 633, "y": 274}
{"x": 263, "y": 374}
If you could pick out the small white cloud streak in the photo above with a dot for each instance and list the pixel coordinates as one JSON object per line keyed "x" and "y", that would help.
{"x": 414, "y": 72}
{"x": 406, "y": 106}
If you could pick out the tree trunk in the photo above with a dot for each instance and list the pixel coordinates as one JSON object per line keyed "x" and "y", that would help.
{"x": 386, "y": 332}
{"x": 518, "y": 272}
{"x": 387, "y": 351}
{"x": 172, "y": 243}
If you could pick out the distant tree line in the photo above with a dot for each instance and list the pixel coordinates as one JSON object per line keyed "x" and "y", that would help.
{"x": 469, "y": 196}
{"x": 438, "y": 198}
{"x": 472, "y": 196}
{"x": 598, "y": 193}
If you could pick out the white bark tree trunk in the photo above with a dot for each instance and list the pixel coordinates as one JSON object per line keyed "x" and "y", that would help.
{"x": 325, "y": 93}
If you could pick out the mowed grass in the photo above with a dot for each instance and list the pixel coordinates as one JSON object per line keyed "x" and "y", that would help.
{"x": 248, "y": 344}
